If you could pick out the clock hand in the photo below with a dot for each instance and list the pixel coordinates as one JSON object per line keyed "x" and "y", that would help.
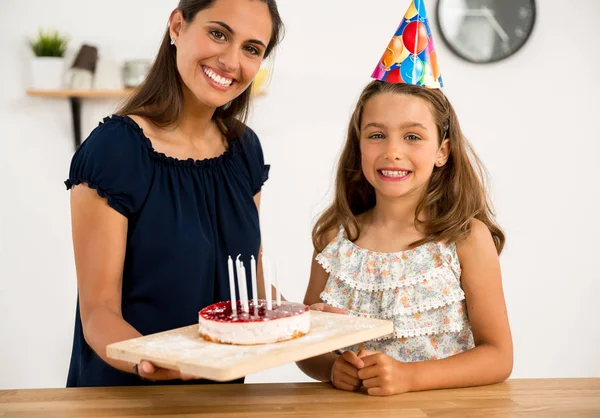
{"x": 495, "y": 25}
{"x": 467, "y": 12}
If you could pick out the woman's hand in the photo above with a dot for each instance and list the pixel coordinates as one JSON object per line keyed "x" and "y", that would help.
{"x": 149, "y": 371}
{"x": 344, "y": 373}
{"x": 381, "y": 375}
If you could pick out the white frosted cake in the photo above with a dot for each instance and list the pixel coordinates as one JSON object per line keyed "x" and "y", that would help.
{"x": 259, "y": 326}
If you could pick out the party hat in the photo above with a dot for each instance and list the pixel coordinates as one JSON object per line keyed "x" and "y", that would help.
{"x": 411, "y": 56}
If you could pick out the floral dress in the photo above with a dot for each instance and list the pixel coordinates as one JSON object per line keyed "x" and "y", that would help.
{"x": 418, "y": 289}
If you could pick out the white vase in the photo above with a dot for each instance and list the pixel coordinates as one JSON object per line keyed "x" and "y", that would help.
{"x": 47, "y": 73}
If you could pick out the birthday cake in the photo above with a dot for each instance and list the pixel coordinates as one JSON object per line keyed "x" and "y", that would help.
{"x": 259, "y": 325}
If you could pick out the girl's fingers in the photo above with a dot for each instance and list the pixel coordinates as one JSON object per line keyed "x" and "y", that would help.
{"x": 374, "y": 382}
{"x": 323, "y": 307}
{"x": 344, "y": 386}
{"x": 351, "y": 358}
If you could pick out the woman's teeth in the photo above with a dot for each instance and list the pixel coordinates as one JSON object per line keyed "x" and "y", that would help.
{"x": 222, "y": 81}
{"x": 390, "y": 173}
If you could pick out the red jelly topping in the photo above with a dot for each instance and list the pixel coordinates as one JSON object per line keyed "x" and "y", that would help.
{"x": 221, "y": 311}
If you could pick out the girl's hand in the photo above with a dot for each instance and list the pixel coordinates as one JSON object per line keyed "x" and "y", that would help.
{"x": 344, "y": 373}
{"x": 382, "y": 375}
{"x": 323, "y": 307}
{"x": 149, "y": 371}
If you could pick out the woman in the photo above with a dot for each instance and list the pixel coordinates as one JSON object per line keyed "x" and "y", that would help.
{"x": 165, "y": 190}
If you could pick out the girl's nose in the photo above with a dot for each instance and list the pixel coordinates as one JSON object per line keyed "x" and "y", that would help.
{"x": 394, "y": 150}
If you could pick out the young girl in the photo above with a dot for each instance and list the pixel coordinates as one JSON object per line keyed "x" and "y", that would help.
{"x": 411, "y": 238}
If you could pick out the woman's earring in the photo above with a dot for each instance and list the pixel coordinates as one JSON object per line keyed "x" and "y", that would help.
{"x": 439, "y": 163}
{"x": 172, "y": 41}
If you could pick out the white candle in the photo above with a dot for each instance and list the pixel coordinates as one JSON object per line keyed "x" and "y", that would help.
{"x": 276, "y": 282}
{"x": 267, "y": 280}
{"x": 244, "y": 289}
{"x": 254, "y": 285}
{"x": 238, "y": 266}
{"x": 232, "y": 286}
{"x": 237, "y": 263}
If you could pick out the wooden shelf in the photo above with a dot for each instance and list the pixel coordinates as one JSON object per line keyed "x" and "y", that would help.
{"x": 81, "y": 94}
{"x": 75, "y": 97}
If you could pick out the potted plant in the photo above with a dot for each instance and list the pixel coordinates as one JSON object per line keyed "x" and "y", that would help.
{"x": 47, "y": 66}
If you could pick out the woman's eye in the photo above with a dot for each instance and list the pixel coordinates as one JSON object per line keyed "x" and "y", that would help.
{"x": 412, "y": 138}
{"x": 252, "y": 50}
{"x": 217, "y": 34}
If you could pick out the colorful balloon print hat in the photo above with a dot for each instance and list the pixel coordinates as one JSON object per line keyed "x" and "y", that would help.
{"x": 411, "y": 57}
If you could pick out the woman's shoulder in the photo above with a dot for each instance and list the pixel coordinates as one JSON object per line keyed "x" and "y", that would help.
{"x": 117, "y": 136}
{"x": 248, "y": 146}
{"x": 114, "y": 160}
{"x": 247, "y": 139}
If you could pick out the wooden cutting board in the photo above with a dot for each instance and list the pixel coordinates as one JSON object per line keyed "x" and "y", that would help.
{"x": 184, "y": 350}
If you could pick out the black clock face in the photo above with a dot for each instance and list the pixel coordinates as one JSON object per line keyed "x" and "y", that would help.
{"x": 483, "y": 31}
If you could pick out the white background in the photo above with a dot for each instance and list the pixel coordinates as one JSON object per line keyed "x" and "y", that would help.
{"x": 533, "y": 119}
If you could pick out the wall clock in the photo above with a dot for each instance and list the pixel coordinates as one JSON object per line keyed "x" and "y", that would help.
{"x": 485, "y": 31}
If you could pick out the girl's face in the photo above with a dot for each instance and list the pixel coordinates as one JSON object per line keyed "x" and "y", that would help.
{"x": 399, "y": 144}
{"x": 220, "y": 51}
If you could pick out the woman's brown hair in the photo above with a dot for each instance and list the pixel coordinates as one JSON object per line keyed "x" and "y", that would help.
{"x": 456, "y": 193}
{"x": 160, "y": 97}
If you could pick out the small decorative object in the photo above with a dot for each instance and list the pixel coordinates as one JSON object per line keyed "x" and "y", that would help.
{"x": 135, "y": 72}
{"x": 81, "y": 74}
{"x": 491, "y": 31}
{"x": 108, "y": 76}
{"x": 258, "y": 88}
{"x": 47, "y": 67}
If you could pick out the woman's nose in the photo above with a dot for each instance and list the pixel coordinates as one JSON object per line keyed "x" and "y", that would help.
{"x": 229, "y": 59}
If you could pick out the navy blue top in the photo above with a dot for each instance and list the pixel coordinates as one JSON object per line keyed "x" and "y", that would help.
{"x": 185, "y": 218}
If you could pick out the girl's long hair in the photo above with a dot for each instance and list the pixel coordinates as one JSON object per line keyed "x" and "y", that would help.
{"x": 456, "y": 193}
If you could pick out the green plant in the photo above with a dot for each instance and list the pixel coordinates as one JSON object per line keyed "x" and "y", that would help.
{"x": 49, "y": 44}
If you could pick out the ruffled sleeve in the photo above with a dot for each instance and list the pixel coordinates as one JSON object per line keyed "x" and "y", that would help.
{"x": 254, "y": 160}
{"x": 419, "y": 289}
{"x": 114, "y": 160}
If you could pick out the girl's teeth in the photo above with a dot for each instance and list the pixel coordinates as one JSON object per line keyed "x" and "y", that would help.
{"x": 225, "y": 82}
{"x": 389, "y": 173}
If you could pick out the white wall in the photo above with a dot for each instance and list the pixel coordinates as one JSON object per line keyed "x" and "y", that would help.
{"x": 532, "y": 118}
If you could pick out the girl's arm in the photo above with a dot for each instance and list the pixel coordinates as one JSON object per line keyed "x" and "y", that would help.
{"x": 490, "y": 361}
{"x": 319, "y": 368}
{"x": 341, "y": 370}
{"x": 99, "y": 241}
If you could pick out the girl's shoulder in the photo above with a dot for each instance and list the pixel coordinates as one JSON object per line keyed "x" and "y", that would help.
{"x": 479, "y": 237}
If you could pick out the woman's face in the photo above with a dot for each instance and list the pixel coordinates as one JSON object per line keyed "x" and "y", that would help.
{"x": 220, "y": 52}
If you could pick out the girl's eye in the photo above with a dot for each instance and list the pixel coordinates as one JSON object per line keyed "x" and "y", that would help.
{"x": 376, "y": 136}
{"x": 412, "y": 138}
{"x": 252, "y": 50}
{"x": 217, "y": 34}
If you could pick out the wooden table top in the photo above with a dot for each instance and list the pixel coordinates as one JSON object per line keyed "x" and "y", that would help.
{"x": 515, "y": 398}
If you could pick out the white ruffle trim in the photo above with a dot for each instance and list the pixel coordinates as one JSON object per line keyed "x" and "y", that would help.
{"x": 419, "y": 289}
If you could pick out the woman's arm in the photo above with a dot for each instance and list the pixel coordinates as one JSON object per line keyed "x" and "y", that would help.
{"x": 490, "y": 361}
{"x": 99, "y": 241}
